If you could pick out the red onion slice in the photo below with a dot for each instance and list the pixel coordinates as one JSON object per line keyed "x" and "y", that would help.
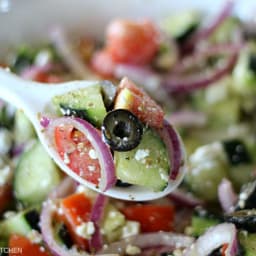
{"x": 69, "y": 56}
{"x": 178, "y": 83}
{"x": 174, "y": 147}
{"x": 227, "y": 196}
{"x": 213, "y": 238}
{"x": 184, "y": 198}
{"x": 108, "y": 178}
{"x": 96, "y": 242}
{"x": 187, "y": 118}
{"x": 149, "y": 240}
{"x": 204, "y": 33}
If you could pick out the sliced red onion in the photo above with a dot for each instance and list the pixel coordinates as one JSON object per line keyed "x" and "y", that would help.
{"x": 30, "y": 72}
{"x": 204, "y": 33}
{"x": 184, "y": 198}
{"x": 44, "y": 121}
{"x": 108, "y": 178}
{"x": 187, "y": 118}
{"x": 69, "y": 56}
{"x": 227, "y": 196}
{"x": 213, "y": 238}
{"x": 96, "y": 242}
{"x": 174, "y": 147}
{"x": 178, "y": 83}
{"x": 149, "y": 240}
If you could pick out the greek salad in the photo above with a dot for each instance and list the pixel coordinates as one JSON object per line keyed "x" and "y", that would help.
{"x": 161, "y": 85}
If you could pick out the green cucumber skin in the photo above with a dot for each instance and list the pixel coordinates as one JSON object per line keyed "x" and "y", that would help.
{"x": 89, "y": 100}
{"x": 151, "y": 171}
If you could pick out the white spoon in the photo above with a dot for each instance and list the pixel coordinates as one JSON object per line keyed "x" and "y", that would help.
{"x": 35, "y": 100}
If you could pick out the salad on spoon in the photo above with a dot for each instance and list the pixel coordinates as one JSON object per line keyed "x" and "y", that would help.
{"x": 112, "y": 139}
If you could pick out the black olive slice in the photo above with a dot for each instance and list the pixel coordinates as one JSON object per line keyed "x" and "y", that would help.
{"x": 237, "y": 152}
{"x": 122, "y": 130}
{"x": 122, "y": 184}
{"x": 243, "y": 219}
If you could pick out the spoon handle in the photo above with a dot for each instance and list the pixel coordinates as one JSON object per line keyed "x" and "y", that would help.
{"x": 21, "y": 93}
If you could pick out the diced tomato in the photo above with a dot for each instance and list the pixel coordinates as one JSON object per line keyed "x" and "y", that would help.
{"x": 223, "y": 249}
{"x": 134, "y": 42}
{"x": 43, "y": 77}
{"x": 22, "y": 246}
{"x": 139, "y": 103}
{"x": 77, "y": 152}
{"x": 152, "y": 218}
{"x": 76, "y": 209}
{"x": 103, "y": 64}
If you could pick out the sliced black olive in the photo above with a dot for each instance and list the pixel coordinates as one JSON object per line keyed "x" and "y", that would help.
{"x": 236, "y": 152}
{"x": 108, "y": 93}
{"x": 243, "y": 219}
{"x": 122, "y": 184}
{"x": 32, "y": 217}
{"x": 252, "y": 63}
{"x": 122, "y": 130}
{"x": 247, "y": 196}
{"x": 64, "y": 235}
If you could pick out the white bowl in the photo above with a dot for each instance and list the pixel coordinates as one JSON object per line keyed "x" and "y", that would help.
{"x": 30, "y": 20}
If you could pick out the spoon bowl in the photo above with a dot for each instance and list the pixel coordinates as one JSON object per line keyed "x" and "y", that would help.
{"x": 35, "y": 100}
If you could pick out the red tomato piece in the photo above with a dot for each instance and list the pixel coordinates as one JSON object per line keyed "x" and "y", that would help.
{"x": 152, "y": 218}
{"x": 139, "y": 103}
{"x": 134, "y": 42}
{"x": 77, "y": 152}
{"x": 22, "y": 246}
{"x": 76, "y": 210}
{"x": 103, "y": 64}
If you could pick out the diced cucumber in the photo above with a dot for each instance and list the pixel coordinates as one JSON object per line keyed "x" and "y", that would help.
{"x": 244, "y": 75}
{"x": 182, "y": 25}
{"x": 248, "y": 243}
{"x": 113, "y": 222}
{"x": 17, "y": 224}
{"x": 35, "y": 176}
{"x": 23, "y": 129}
{"x": 87, "y": 102}
{"x": 146, "y": 165}
{"x": 200, "y": 224}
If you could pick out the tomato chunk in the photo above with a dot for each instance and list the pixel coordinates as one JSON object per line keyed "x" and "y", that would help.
{"x": 134, "y": 42}
{"x": 22, "y": 246}
{"x": 77, "y": 152}
{"x": 103, "y": 64}
{"x": 152, "y": 218}
{"x": 137, "y": 101}
{"x": 76, "y": 209}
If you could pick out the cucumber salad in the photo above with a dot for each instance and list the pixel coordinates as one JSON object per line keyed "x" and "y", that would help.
{"x": 185, "y": 84}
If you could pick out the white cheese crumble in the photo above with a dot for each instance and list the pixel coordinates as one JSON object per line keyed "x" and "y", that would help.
{"x": 132, "y": 250}
{"x": 130, "y": 228}
{"x": 93, "y": 154}
{"x": 85, "y": 230}
{"x": 141, "y": 154}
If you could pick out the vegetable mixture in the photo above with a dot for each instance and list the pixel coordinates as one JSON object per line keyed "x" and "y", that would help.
{"x": 182, "y": 78}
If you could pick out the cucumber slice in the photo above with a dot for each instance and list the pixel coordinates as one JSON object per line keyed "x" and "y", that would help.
{"x": 35, "y": 176}
{"x": 182, "y": 25}
{"x": 146, "y": 165}
{"x": 87, "y": 103}
{"x": 17, "y": 224}
{"x": 23, "y": 129}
